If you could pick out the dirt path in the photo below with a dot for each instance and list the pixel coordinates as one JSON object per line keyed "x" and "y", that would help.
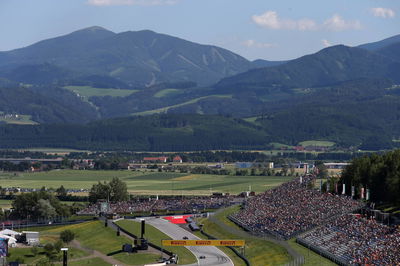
{"x": 94, "y": 254}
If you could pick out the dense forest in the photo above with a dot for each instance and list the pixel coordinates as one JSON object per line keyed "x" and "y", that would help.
{"x": 379, "y": 173}
{"x": 150, "y": 133}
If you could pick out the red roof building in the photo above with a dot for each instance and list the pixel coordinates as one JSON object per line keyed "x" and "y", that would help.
{"x": 161, "y": 159}
{"x": 177, "y": 159}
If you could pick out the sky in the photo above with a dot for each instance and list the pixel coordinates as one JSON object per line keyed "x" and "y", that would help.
{"x": 255, "y": 29}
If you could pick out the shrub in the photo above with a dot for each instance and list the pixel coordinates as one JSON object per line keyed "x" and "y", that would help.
{"x": 67, "y": 236}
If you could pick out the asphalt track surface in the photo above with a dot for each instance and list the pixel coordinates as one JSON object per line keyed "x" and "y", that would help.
{"x": 213, "y": 255}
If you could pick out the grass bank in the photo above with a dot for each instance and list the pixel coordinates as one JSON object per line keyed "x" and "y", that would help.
{"x": 155, "y": 236}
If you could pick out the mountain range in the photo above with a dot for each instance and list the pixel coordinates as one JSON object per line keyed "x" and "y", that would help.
{"x": 140, "y": 58}
{"x": 349, "y": 95}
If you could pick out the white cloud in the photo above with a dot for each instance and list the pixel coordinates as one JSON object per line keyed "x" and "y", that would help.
{"x": 253, "y": 43}
{"x": 271, "y": 20}
{"x": 337, "y": 23}
{"x": 383, "y": 12}
{"x": 131, "y": 2}
{"x": 326, "y": 43}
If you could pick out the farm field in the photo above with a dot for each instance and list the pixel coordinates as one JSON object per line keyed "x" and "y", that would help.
{"x": 87, "y": 91}
{"x": 5, "y": 204}
{"x": 144, "y": 183}
{"x": 317, "y": 143}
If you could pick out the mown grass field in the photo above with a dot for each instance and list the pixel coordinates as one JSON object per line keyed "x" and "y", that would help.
{"x": 167, "y": 92}
{"x": 165, "y": 109}
{"x": 321, "y": 143}
{"x": 5, "y": 204}
{"x": 144, "y": 183}
{"x": 87, "y": 91}
{"x": 155, "y": 236}
{"x": 21, "y": 120}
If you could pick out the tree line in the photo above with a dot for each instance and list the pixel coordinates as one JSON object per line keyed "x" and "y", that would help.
{"x": 378, "y": 173}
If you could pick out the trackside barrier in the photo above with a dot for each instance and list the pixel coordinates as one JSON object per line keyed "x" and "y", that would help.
{"x": 322, "y": 252}
{"x": 246, "y": 261}
{"x": 22, "y": 226}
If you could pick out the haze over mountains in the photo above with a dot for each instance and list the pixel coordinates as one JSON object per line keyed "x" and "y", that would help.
{"x": 344, "y": 94}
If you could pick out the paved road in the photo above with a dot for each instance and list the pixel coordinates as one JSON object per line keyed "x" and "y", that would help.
{"x": 213, "y": 256}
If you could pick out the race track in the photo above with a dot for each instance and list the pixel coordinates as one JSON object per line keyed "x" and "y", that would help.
{"x": 213, "y": 256}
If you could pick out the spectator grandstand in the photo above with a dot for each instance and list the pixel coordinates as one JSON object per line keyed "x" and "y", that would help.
{"x": 291, "y": 209}
{"x": 355, "y": 240}
{"x": 186, "y": 204}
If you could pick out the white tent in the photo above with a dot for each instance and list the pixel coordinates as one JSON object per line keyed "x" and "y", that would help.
{"x": 9, "y": 232}
{"x": 12, "y": 242}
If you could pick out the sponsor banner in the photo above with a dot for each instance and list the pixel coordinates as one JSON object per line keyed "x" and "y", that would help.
{"x": 226, "y": 242}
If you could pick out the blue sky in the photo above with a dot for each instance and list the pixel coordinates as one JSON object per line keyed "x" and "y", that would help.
{"x": 272, "y": 30}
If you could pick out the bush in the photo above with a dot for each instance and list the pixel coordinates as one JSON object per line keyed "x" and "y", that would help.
{"x": 58, "y": 245}
{"x": 67, "y": 236}
{"x": 34, "y": 251}
{"x": 48, "y": 248}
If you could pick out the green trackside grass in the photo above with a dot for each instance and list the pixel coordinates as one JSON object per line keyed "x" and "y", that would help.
{"x": 89, "y": 262}
{"x": 145, "y": 183}
{"x": 259, "y": 252}
{"x": 311, "y": 258}
{"x": 28, "y": 257}
{"x": 155, "y": 236}
{"x": 235, "y": 259}
{"x": 95, "y": 236}
{"x": 134, "y": 259}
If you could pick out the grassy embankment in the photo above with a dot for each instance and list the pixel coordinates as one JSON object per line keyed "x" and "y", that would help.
{"x": 155, "y": 236}
{"x": 92, "y": 236}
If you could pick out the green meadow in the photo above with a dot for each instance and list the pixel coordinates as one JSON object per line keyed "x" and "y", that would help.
{"x": 87, "y": 91}
{"x": 144, "y": 182}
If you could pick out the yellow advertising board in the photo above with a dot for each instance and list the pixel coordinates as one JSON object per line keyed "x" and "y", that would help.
{"x": 224, "y": 242}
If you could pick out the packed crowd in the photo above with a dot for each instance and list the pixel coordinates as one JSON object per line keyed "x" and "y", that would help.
{"x": 187, "y": 204}
{"x": 292, "y": 208}
{"x": 358, "y": 241}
